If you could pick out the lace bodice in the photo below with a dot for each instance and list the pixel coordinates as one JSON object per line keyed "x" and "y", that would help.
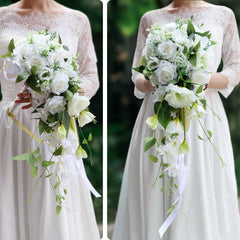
{"x": 75, "y": 31}
{"x": 219, "y": 20}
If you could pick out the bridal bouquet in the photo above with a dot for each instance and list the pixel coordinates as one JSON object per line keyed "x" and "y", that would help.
{"x": 50, "y": 72}
{"x": 175, "y": 59}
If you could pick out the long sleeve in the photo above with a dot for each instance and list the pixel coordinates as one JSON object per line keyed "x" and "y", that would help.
{"x": 231, "y": 55}
{"x": 142, "y": 35}
{"x": 87, "y": 62}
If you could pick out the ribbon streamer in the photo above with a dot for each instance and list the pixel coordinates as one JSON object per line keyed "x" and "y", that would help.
{"x": 23, "y": 127}
{"x": 178, "y": 201}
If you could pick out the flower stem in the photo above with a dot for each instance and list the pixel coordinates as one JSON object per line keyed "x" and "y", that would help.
{"x": 223, "y": 163}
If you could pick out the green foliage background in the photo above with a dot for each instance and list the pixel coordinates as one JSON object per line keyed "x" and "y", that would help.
{"x": 93, "y": 9}
{"x": 124, "y": 17}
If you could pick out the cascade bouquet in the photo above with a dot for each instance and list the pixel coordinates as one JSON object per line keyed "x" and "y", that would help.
{"x": 50, "y": 73}
{"x": 175, "y": 60}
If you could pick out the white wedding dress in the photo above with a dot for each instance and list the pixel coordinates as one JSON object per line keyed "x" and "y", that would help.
{"x": 37, "y": 220}
{"x": 209, "y": 210}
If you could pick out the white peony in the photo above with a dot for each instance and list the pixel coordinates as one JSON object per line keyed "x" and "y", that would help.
{"x": 59, "y": 83}
{"x": 77, "y": 104}
{"x": 175, "y": 126}
{"x": 200, "y": 77}
{"x": 165, "y": 72}
{"x": 84, "y": 118}
{"x": 169, "y": 152}
{"x": 179, "y": 97}
{"x": 55, "y": 104}
{"x": 167, "y": 49}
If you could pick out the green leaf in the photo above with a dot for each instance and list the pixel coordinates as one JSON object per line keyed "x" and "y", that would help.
{"x": 68, "y": 95}
{"x": 49, "y": 175}
{"x": 200, "y": 89}
{"x": 139, "y": 69}
{"x": 21, "y": 157}
{"x": 149, "y": 142}
{"x": 209, "y": 133}
{"x": 176, "y": 186}
{"x": 174, "y": 81}
{"x": 204, "y": 103}
{"x": 34, "y": 69}
{"x": 164, "y": 114}
{"x": 90, "y": 137}
{"x": 201, "y": 138}
{"x": 66, "y": 48}
{"x": 58, "y": 152}
{"x": 6, "y": 55}
{"x": 190, "y": 28}
{"x": 47, "y": 163}
{"x": 58, "y": 209}
{"x": 165, "y": 165}
{"x": 153, "y": 158}
{"x": 31, "y": 160}
{"x": 59, "y": 39}
{"x": 52, "y": 118}
{"x": 56, "y": 185}
{"x": 11, "y": 46}
{"x": 84, "y": 141}
{"x": 66, "y": 121}
{"x": 42, "y": 126}
{"x": 34, "y": 172}
{"x": 65, "y": 191}
{"x": 163, "y": 175}
{"x": 193, "y": 60}
{"x": 32, "y": 83}
{"x": 22, "y": 77}
{"x": 163, "y": 189}
{"x": 144, "y": 61}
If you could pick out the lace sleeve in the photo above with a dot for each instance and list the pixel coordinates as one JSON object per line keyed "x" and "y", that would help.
{"x": 87, "y": 62}
{"x": 142, "y": 34}
{"x": 231, "y": 55}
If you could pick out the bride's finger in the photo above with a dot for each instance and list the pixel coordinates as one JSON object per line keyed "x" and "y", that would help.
{"x": 22, "y": 100}
{"x": 23, "y": 95}
{"x": 27, "y": 106}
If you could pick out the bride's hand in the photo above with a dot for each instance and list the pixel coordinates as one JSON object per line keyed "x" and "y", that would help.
{"x": 24, "y": 97}
{"x": 144, "y": 85}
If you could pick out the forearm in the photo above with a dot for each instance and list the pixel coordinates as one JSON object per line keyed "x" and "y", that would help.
{"x": 218, "y": 81}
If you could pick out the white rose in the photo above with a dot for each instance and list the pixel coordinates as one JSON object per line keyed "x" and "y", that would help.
{"x": 196, "y": 112}
{"x": 59, "y": 83}
{"x": 200, "y": 77}
{"x": 84, "y": 118}
{"x": 148, "y": 49}
{"x": 152, "y": 63}
{"x": 179, "y": 97}
{"x": 165, "y": 72}
{"x": 181, "y": 61}
{"x": 30, "y": 62}
{"x": 205, "y": 59}
{"x": 77, "y": 104}
{"x": 170, "y": 27}
{"x": 55, "y": 104}
{"x": 167, "y": 49}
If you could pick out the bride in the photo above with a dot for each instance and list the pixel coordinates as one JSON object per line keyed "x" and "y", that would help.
{"x": 37, "y": 220}
{"x": 209, "y": 209}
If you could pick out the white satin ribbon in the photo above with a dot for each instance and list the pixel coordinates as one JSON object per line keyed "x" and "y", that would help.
{"x": 79, "y": 169}
{"x": 178, "y": 201}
